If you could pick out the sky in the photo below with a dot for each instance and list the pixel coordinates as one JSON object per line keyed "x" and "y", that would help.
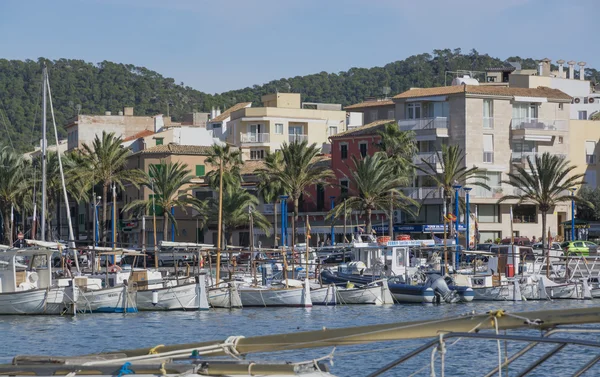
{"x": 219, "y": 45}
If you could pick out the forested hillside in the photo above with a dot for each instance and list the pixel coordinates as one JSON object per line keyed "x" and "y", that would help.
{"x": 88, "y": 88}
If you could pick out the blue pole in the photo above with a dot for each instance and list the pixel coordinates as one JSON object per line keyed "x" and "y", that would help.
{"x": 572, "y": 215}
{"x": 467, "y": 219}
{"x": 457, "y": 214}
{"x": 283, "y": 219}
{"x": 332, "y": 230}
{"x": 173, "y": 225}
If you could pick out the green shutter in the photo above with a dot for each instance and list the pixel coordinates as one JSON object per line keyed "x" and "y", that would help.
{"x": 159, "y": 141}
{"x": 200, "y": 170}
{"x": 158, "y": 169}
{"x": 159, "y": 209}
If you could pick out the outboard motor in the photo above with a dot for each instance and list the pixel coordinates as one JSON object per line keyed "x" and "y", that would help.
{"x": 439, "y": 285}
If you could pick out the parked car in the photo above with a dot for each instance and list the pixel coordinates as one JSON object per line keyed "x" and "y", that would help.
{"x": 556, "y": 249}
{"x": 168, "y": 258}
{"x": 139, "y": 260}
{"x": 580, "y": 248}
{"x": 484, "y": 246}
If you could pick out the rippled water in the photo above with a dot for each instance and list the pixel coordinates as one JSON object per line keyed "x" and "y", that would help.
{"x": 108, "y": 332}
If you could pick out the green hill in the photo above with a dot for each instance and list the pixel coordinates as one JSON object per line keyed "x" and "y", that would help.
{"x": 94, "y": 88}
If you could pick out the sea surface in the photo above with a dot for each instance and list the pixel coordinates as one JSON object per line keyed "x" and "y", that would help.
{"x": 92, "y": 333}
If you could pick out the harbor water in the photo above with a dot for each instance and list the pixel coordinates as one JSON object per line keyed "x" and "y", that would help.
{"x": 85, "y": 334}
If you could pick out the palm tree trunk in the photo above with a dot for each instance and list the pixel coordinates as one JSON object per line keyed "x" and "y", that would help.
{"x": 369, "y": 227}
{"x": 104, "y": 209}
{"x": 547, "y": 250}
{"x": 165, "y": 225}
{"x": 391, "y": 218}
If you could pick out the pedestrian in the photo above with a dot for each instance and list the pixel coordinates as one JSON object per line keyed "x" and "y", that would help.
{"x": 68, "y": 272}
{"x": 20, "y": 242}
{"x": 533, "y": 239}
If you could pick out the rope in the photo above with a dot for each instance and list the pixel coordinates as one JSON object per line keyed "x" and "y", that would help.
{"x": 250, "y": 368}
{"x": 125, "y": 370}
{"x": 432, "y": 362}
{"x": 153, "y": 351}
{"x": 230, "y": 346}
{"x": 163, "y": 371}
{"x": 442, "y": 350}
{"x": 499, "y": 348}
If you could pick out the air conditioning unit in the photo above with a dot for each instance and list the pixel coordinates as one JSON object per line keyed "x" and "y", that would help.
{"x": 591, "y": 100}
{"x": 577, "y": 100}
{"x": 397, "y": 216}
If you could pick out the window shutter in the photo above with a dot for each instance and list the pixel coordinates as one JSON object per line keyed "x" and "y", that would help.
{"x": 488, "y": 143}
{"x": 200, "y": 170}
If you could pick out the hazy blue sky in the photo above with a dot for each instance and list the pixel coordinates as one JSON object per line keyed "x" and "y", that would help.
{"x": 218, "y": 45}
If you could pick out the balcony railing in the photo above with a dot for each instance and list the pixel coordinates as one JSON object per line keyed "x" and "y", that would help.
{"x": 252, "y": 137}
{"x": 539, "y": 124}
{"x": 268, "y": 208}
{"x": 495, "y": 192}
{"x": 430, "y": 157}
{"x": 521, "y": 157}
{"x": 297, "y": 138}
{"x": 423, "y": 124}
{"x": 488, "y": 123}
{"x": 419, "y": 193}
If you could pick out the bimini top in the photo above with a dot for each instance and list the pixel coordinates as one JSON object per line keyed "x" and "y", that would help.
{"x": 185, "y": 244}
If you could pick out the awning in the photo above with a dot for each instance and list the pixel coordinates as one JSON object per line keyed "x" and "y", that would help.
{"x": 530, "y": 99}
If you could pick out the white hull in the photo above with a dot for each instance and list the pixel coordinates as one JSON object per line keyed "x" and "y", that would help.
{"x": 179, "y": 297}
{"x": 224, "y": 298}
{"x": 368, "y": 295}
{"x": 501, "y": 293}
{"x": 36, "y": 301}
{"x": 272, "y": 297}
{"x": 324, "y": 296}
{"x": 533, "y": 291}
{"x": 108, "y": 300}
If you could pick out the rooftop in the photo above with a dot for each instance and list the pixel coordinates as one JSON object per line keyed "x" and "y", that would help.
{"x": 139, "y": 135}
{"x": 368, "y": 129}
{"x": 374, "y": 103}
{"x": 500, "y": 91}
{"x": 225, "y": 114}
{"x": 178, "y": 149}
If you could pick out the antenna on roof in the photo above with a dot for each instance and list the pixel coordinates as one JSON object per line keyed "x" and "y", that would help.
{"x": 386, "y": 91}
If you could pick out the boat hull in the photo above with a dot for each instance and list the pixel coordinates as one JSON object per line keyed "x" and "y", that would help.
{"x": 224, "y": 298}
{"x": 406, "y": 293}
{"x": 324, "y": 296}
{"x": 108, "y": 300}
{"x": 267, "y": 297}
{"x": 501, "y": 293}
{"x": 178, "y": 297}
{"x": 365, "y": 295}
{"x": 36, "y": 301}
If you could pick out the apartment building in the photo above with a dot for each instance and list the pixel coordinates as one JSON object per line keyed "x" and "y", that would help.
{"x": 82, "y": 129}
{"x": 217, "y": 124}
{"x": 498, "y": 127}
{"x": 283, "y": 118}
{"x": 374, "y": 109}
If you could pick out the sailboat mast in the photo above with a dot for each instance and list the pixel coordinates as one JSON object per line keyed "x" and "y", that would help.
{"x": 44, "y": 156}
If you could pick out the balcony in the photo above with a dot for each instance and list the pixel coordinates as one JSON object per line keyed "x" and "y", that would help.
{"x": 535, "y": 129}
{"x": 521, "y": 157}
{"x": 426, "y": 157}
{"x": 420, "y": 193}
{"x": 268, "y": 209}
{"x": 495, "y": 192}
{"x": 426, "y": 128}
{"x": 254, "y": 138}
{"x": 297, "y": 138}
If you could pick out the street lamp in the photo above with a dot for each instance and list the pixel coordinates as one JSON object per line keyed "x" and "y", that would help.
{"x": 332, "y": 198}
{"x": 467, "y": 218}
{"x": 573, "y": 213}
{"x": 457, "y": 214}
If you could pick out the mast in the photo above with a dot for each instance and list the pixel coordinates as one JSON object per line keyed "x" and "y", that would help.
{"x": 220, "y": 221}
{"x": 44, "y": 157}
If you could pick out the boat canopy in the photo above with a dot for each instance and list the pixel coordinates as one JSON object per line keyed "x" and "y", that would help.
{"x": 184, "y": 244}
{"x": 49, "y": 244}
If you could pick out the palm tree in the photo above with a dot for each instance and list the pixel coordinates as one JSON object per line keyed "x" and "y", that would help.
{"x": 301, "y": 169}
{"x": 232, "y": 163}
{"x": 105, "y": 163}
{"x": 269, "y": 187}
{"x": 452, "y": 171}
{"x": 400, "y": 148}
{"x": 237, "y": 202}
{"x": 167, "y": 181}
{"x": 372, "y": 183}
{"x": 546, "y": 182}
{"x": 12, "y": 183}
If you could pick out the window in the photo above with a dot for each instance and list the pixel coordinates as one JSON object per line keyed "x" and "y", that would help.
{"x": 413, "y": 111}
{"x": 203, "y": 195}
{"x": 488, "y": 114}
{"x": 363, "y": 149}
{"x": 560, "y": 140}
{"x": 200, "y": 235}
{"x": 157, "y": 167}
{"x": 488, "y": 213}
{"x": 391, "y": 114}
{"x": 333, "y": 130}
{"x": 561, "y": 106}
{"x": 257, "y": 154}
{"x": 590, "y": 178}
{"x": 279, "y": 128}
{"x": 344, "y": 151}
{"x": 200, "y": 170}
{"x": 582, "y": 115}
{"x": 373, "y": 115}
{"x": 525, "y": 214}
{"x": 320, "y": 197}
{"x": 488, "y": 236}
{"x": 81, "y": 219}
{"x": 159, "y": 141}
{"x": 344, "y": 184}
{"x": 488, "y": 149}
{"x": 590, "y": 155}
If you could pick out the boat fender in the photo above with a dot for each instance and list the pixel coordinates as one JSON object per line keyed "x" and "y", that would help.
{"x": 33, "y": 277}
{"x": 154, "y": 300}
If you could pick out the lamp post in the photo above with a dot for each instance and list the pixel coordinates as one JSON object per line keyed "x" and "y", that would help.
{"x": 284, "y": 199}
{"x": 467, "y": 218}
{"x": 332, "y": 199}
{"x": 457, "y": 214}
{"x": 573, "y": 214}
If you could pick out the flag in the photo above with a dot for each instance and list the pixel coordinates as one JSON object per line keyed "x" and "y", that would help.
{"x": 307, "y": 229}
{"x": 511, "y": 214}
